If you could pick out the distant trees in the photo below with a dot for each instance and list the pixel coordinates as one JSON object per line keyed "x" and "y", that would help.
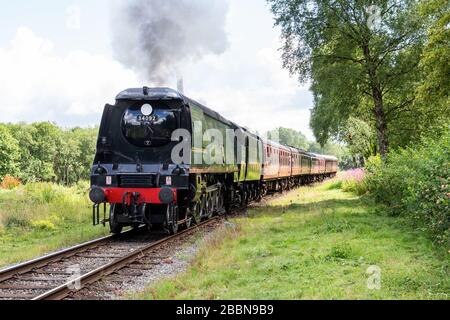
{"x": 293, "y": 138}
{"x": 289, "y": 137}
{"x": 44, "y": 152}
{"x": 366, "y": 59}
{"x": 347, "y": 160}
{"x": 9, "y": 152}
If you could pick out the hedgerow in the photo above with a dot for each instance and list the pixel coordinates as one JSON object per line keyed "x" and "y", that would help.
{"x": 415, "y": 182}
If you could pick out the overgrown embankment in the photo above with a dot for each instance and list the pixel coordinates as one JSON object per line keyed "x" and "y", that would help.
{"x": 415, "y": 183}
{"x": 315, "y": 243}
{"x": 43, "y": 217}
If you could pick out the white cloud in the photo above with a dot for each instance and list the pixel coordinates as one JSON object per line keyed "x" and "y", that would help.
{"x": 37, "y": 85}
{"x": 73, "y": 17}
{"x": 246, "y": 84}
{"x": 251, "y": 89}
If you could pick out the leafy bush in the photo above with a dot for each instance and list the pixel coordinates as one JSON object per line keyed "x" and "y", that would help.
{"x": 357, "y": 187}
{"x": 335, "y": 184}
{"x": 9, "y": 183}
{"x": 44, "y": 225}
{"x": 340, "y": 252}
{"x": 415, "y": 182}
{"x": 15, "y": 221}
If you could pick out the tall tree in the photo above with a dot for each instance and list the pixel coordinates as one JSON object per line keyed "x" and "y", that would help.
{"x": 26, "y": 162}
{"x": 362, "y": 57}
{"x": 435, "y": 65}
{"x": 87, "y": 140}
{"x": 9, "y": 153}
{"x": 46, "y": 137}
{"x": 359, "y": 138}
{"x": 65, "y": 165}
{"x": 436, "y": 56}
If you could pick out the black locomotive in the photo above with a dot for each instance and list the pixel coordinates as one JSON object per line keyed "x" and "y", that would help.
{"x": 167, "y": 161}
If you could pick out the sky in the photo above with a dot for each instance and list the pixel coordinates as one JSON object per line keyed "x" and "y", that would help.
{"x": 57, "y": 64}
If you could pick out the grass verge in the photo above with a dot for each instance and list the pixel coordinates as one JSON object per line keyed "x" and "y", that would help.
{"x": 40, "y": 218}
{"x": 314, "y": 243}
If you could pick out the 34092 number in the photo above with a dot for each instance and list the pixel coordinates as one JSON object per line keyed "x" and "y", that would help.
{"x": 146, "y": 118}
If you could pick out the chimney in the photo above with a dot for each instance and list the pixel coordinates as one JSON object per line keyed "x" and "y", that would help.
{"x": 180, "y": 85}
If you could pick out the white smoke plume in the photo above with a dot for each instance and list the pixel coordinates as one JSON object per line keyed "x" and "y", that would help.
{"x": 157, "y": 37}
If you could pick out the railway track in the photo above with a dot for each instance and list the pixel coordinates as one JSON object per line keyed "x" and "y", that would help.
{"x": 64, "y": 273}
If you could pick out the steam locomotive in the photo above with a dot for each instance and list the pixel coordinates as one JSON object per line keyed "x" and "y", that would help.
{"x": 166, "y": 161}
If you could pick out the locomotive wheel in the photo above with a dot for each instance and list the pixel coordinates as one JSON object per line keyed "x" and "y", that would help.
{"x": 114, "y": 226}
{"x": 172, "y": 226}
{"x": 220, "y": 202}
{"x": 203, "y": 208}
{"x": 195, "y": 213}
{"x": 189, "y": 223}
{"x": 209, "y": 206}
{"x": 244, "y": 200}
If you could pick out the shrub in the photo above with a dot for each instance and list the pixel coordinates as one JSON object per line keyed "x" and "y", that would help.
{"x": 10, "y": 183}
{"x": 335, "y": 184}
{"x": 15, "y": 221}
{"x": 340, "y": 252}
{"x": 351, "y": 181}
{"x": 357, "y": 187}
{"x": 43, "y": 225}
{"x": 415, "y": 182}
{"x": 46, "y": 193}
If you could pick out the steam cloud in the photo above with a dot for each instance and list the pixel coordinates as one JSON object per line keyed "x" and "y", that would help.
{"x": 157, "y": 37}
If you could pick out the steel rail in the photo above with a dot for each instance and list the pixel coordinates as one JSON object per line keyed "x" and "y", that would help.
{"x": 9, "y": 272}
{"x": 74, "y": 285}
{"x": 64, "y": 290}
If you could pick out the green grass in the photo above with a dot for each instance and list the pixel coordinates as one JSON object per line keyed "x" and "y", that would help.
{"x": 313, "y": 243}
{"x": 40, "y": 218}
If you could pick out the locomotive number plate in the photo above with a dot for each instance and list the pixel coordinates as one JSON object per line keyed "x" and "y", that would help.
{"x": 146, "y": 118}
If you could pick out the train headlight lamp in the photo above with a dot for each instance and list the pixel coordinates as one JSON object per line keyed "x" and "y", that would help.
{"x": 97, "y": 195}
{"x": 146, "y": 109}
{"x": 100, "y": 170}
{"x": 166, "y": 196}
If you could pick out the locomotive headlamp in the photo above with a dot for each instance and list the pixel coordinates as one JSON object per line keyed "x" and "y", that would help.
{"x": 146, "y": 109}
{"x": 97, "y": 195}
{"x": 100, "y": 170}
{"x": 166, "y": 196}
